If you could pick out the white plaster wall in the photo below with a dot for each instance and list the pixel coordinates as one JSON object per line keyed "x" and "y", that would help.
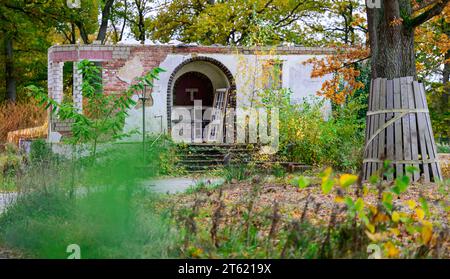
{"x": 156, "y": 116}
{"x": 296, "y": 76}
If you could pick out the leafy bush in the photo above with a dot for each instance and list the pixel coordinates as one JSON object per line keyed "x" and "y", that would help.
{"x": 203, "y": 185}
{"x": 104, "y": 114}
{"x": 235, "y": 172}
{"x": 442, "y": 148}
{"x": 278, "y": 170}
{"x": 439, "y": 112}
{"x": 40, "y": 151}
{"x": 11, "y": 161}
{"x": 305, "y": 136}
{"x": 163, "y": 155}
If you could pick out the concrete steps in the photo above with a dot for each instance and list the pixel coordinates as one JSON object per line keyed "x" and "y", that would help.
{"x": 205, "y": 157}
{"x": 199, "y": 158}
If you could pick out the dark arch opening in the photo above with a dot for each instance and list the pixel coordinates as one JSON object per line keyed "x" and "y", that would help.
{"x": 170, "y": 85}
{"x": 193, "y": 86}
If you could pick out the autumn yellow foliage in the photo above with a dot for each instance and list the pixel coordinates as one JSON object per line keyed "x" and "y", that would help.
{"x": 341, "y": 65}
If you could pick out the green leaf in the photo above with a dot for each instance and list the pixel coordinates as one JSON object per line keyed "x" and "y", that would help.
{"x": 396, "y": 190}
{"x": 411, "y": 169}
{"x": 364, "y": 218}
{"x": 401, "y": 184}
{"x": 373, "y": 179}
{"x": 359, "y": 205}
{"x": 347, "y": 179}
{"x": 303, "y": 182}
{"x": 424, "y": 204}
{"x": 349, "y": 202}
{"x": 387, "y": 201}
{"x": 327, "y": 186}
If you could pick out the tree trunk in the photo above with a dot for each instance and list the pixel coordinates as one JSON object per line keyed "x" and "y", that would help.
{"x": 446, "y": 76}
{"x": 140, "y": 7}
{"x": 446, "y": 79}
{"x": 398, "y": 125}
{"x": 83, "y": 33}
{"x": 9, "y": 70}
{"x": 73, "y": 34}
{"x": 141, "y": 27}
{"x": 105, "y": 18}
{"x": 391, "y": 41}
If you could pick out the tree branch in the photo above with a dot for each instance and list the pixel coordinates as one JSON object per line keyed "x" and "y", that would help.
{"x": 345, "y": 65}
{"x": 428, "y": 14}
{"x": 290, "y": 13}
{"x": 424, "y": 4}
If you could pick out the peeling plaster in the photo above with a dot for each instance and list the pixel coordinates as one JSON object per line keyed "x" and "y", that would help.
{"x": 132, "y": 69}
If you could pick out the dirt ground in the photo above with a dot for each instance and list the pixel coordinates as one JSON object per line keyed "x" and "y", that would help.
{"x": 292, "y": 199}
{"x": 292, "y": 202}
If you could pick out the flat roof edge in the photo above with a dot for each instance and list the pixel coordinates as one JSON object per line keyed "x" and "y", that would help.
{"x": 70, "y": 47}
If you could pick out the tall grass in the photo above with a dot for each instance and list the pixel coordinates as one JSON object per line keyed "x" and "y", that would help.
{"x": 94, "y": 205}
{"x": 14, "y": 116}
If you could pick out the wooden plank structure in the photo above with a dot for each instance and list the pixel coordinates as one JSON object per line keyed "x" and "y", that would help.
{"x": 399, "y": 130}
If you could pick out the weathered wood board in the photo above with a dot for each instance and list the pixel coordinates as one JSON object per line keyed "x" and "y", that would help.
{"x": 399, "y": 130}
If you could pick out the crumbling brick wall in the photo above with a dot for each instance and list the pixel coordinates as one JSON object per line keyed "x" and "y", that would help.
{"x": 113, "y": 58}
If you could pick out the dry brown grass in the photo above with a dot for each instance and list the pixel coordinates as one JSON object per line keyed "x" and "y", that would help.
{"x": 19, "y": 116}
{"x": 445, "y": 165}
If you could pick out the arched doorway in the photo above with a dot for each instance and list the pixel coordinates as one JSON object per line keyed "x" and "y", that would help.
{"x": 193, "y": 86}
{"x": 199, "y": 79}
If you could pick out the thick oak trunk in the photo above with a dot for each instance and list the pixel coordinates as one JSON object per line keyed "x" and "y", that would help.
{"x": 391, "y": 40}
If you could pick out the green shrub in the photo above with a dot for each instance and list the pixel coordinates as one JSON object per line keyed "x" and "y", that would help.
{"x": 278, "y": 170}
{"x": 11, "y": 162}
{"x": 40, "y": 151}
{"x": 305, "y": 136}
{"x": 441, "y": 148}
{"x": 203, "y": 185}
{"x": 235, "y": 172}
{"x": 162, "y": 154}
{"x": 103, "y": 115}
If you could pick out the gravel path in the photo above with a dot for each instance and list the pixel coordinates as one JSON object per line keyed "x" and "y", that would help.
{"x": 174, "y": 185}
{"x": 169, "y": 185}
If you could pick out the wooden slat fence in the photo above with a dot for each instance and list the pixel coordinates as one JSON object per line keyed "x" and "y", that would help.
{"x": 399, "y": 130}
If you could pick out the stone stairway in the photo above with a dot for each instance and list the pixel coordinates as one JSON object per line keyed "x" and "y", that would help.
{"x": 205, "y": 157}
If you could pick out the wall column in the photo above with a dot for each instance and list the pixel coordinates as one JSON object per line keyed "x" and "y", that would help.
{"x": 77, "y": 94}
{"x": 55, "y": 81}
